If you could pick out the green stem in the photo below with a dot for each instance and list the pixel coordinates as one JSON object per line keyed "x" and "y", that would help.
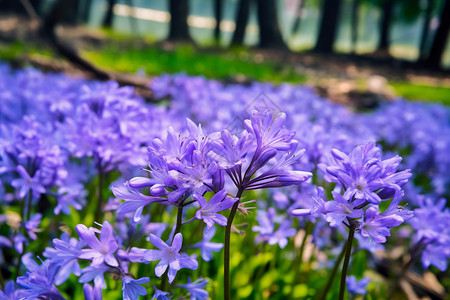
{"x": 26, "y": 213}
{"x": 333, "y": 272}
{"x": 29, "y": 202}
{"x": 98, "y": 212}
{"x": 298, "y": 261}
{"x": 2, "y": 280}
{"x": 348, "y": 253}
{"x": 226, "y": 260}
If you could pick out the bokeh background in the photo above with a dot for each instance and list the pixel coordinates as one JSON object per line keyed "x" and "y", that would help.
{"x": 335, "y": 45}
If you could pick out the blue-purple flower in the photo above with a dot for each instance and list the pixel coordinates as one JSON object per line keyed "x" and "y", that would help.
{"x": 27, "y": 183}
{"x": 169, "y": 256}
{"x": 209, "y": 209}
{"x": 100, "y": 250}
{"x": 132, "y": 288}
{"x": 66, "y": 252}
{"x": 39, "y": 280}
{"x": 357, "y": 287}
{"x": 196, "y": 289}
{"x": 206, "y": 246}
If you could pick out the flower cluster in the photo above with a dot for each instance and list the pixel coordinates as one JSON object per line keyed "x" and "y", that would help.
{"x": 64, "y": 141}
{"x": 363, "y": 181}
{"x": 431, "y": 224}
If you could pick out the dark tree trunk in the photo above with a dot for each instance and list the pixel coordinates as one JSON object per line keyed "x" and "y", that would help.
{"x": 57, "y": 12}
{"x": 385, "y": 25}
{"x": 36, "y": 5}
{"x": 269, "y": 31}
{"x": 328, "y": 26}
{"x": 440, "y": 39}
{"x": 218, "y": 9}
{"x": 12, "y": 6}
{"x": 62, "y": 12}
{"x": 425, "y": 31}
{"x": 242, "y": 15}
{"x": 298, "y": 16}
{"x": 55, "y": 15}
{"x": 354, "y": 26}
{"x": 85, "y": 11}
{"x": 179, "y": 30}
{"x": 108, "y": 20}
{"x": 31, "y": 8}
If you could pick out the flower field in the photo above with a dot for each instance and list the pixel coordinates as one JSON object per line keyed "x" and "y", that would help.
{"x": 218, "y": 191}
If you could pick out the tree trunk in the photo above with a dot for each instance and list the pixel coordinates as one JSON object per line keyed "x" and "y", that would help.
{"x": 385, "y": 24}
{"x": 108, "y": 20}
{"x": 57, "y": 12}
{"x": 12, "y": 6}
{"x": 328, "y": 26}
{"x": 55, "y": 15}
{"x": 354, "y": 26}
{"x": 440, "y": 39}
{"x": 85, "y": 11}
{"x": 269, "y": 31}
{"x": 36, "y": 5}
{"x": 298, "y": 16}
{"x": 218, "y": 14}
{"x": 242, "y": 16}
{"x": 179, "y": 30}
{"x": 425, "y": 31}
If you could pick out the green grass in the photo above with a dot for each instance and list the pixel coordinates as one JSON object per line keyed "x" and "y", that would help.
{"x": 422, "y": 92}
{"x": 11, "y": 51}
{"x": 187, "y": 59}
{"x": 18, "y": 49}
{"x": 238, "y": 63}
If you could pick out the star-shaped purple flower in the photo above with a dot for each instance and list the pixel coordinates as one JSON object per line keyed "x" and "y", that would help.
{"x": 101, "y": 250}
{"x": 209, "y": 209}
{"x": 169, "y": 256}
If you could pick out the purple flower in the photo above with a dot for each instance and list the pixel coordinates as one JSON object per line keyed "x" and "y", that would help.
{"x": 132, "y": 289}
{"x": 281, "y": 235}
{"x": 377, "y": 226}
{"x": 281, "y": 200}
{"x": 437, "y": 255}
{"x": 169, "y": 256}
{"x": 206, "y": 246}
{"x": 266, "y": 228}
{"x": 101, "y": 251}
{"x": 70, "y": 196}
{"x": 92, "y": 293}
{"x": 209, "y": 209}
{"x": 10, "y": 292}
{"x": 280, "y": 175}
{"x": 364, "y": 176}
{"x": 269, "y": 131}
{"x": 66, "y": 252}
{"x": 160, "y": 295}
{"x": 357, "y": 287}
{"x": 39, "y": 280}
{"x": 196, "y": 289}
{"x": 230, "y": 151}
{"x": 95, "y": 273}
{"x": 338, "y": 211}
{"x": 431, "y": 222}
{"x": 135, "y": 201}
{"x": 27, "y": 183}
{"x": 319, "y": 208}
{"x": 32, "y": 225}
{"x": 19, "y": 241}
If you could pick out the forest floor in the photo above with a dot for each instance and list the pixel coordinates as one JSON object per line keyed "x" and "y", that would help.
{"x": 352, "y": 79}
